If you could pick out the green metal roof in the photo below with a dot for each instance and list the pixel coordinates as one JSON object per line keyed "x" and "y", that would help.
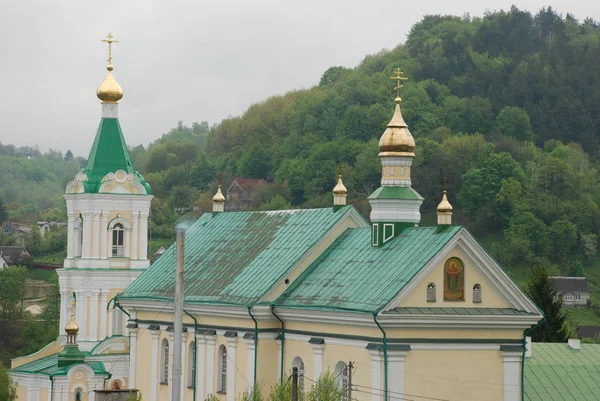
{"x": 395, "y": 193}
{"x": 237, "y": 257}
{"x": 459, "y": 311}
{"x": 49, "y": 366}
{"x": 353, "y": 275}
{"x": 109, "y": 153}
{"x": 557, "y": 372}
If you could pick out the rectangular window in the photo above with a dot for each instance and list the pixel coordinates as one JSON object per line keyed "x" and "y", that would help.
{"x": 375, "y": 236}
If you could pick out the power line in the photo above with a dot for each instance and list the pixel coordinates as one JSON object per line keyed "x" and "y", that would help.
{"x": 404, "y": 394}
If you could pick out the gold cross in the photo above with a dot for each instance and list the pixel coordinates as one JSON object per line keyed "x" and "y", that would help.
{"x": 340, "y": 168}
{"x": 399, "y": 78}
{"x": 110, "y": 41}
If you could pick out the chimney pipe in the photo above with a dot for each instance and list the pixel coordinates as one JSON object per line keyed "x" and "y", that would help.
{"x": 178, "y": 329}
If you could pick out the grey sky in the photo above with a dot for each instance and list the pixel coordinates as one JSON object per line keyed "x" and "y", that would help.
{"x": 188, "y": 60}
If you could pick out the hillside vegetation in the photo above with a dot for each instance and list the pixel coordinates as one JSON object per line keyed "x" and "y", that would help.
{"x": 506, "y": 107}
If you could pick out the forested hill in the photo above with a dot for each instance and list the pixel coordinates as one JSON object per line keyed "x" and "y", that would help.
{"x": 506, "y": 107}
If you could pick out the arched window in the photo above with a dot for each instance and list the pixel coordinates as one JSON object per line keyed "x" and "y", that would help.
{"x": 298, "y": 363}
{"x": 477, "y": 293}
{"x": 118, "y": 249}
{"x": 164, "y": 367}
{"x": 431, "y": 292}
{"x": 78, "y": 394}
{"x": 191, "y": 365}
{"x": 454, "y": 280}
{"x": 222, "y": 385}
{"x": 341, "y": 377}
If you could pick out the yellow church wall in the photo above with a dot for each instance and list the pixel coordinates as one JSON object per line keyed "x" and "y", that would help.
{"x": 489, "y": 297}
{"x": 333, "y": 329}
{"x": 268, "y": 362}
{"x": 48, "y": 350}
{"x": 143, "y": 362}
{"x": 311, "y": 257}
{"x": 21, "y": 393}
{"x": 455, "y": 375}
{"x": 43, "y": 393}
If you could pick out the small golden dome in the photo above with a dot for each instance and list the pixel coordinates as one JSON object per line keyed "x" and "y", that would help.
{"x": 109, "y": 90}
{"x": 340, "y": 189}
{"x": 72, "y": 327}
{"x": 397, "y": 139}
{"x": 219, "y": 198}
{"x": 444, "y": 205}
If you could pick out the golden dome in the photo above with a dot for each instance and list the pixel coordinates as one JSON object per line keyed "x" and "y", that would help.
{"x": 109, "y": 90}
{"x": 444, "y": 205}
{"x": 72, "y": 327}
{"x": 219, "y": 198}
{"x": 340, "y": 189}
{"x": 397, "y": 139}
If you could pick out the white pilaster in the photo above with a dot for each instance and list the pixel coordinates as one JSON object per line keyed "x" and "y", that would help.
{"x": 396, "y": 371}
{"x": 71, "y": 236}
{"x": 200, "y": 364}
{"x": 154, "y": 371}
{"x": 512, "y": 375}
{"x": 135, "y": 223}
{"x": 103, "y": 314}
{"x": 143, "y": 233}
{"x": 103, "y": 232}
{"x": 210, "y": 365}
{"x": 81, "y": 311}
{"x": 95, "y": 240}
{"x": 376, "y": 381}
{"x": 33, "y": 391}
{"x": 231, "y": 370}
{"x": 109, "y": 319}
{"x": 133, "y": 332}
{"x": 93, "y": 334}
{"x": 87, "y": 235}
{"x": 127, "y": 248}
{"x": 318, "y": 360}
{"x": 64, "y": 311}
{"x": 250, "y": 361}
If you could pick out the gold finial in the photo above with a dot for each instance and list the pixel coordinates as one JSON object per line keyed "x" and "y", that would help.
{"x": 110, "y": 41}
{"x": 398, "y": 78}
{"x": 72, "y": 327}
{"x": 109, "y": 90}
{"x": 340, "y": 189}
{"x": 219, "y": 198}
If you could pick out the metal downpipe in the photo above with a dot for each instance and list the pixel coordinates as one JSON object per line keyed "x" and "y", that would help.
{"x": 282, "y": 343}
{"x": 385, "y": 359}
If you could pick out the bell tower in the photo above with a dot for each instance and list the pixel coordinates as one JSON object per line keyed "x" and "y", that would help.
{"x": 108, "y": 206}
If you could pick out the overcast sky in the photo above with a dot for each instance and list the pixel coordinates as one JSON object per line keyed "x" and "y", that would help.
{"x": 188, "y": 60}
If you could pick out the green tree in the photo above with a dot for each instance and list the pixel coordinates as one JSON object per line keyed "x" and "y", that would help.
{"x": 3, "y": 212}
{"x": 514, "y": 122}
{"x": 8, "y": 389}
{"x": 255, "y": 163}
{"x": 542, "y": 291}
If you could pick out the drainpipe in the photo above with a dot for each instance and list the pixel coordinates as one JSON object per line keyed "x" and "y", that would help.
{"x": 107, "y": 378}
{"x": 525, "y": 334}
{"x": 282, "y": 343}
{"x": 51, "y": 387}
{"x": 255, "y": 349}
{"x": 118, "y": 305}
{"x": 385, "y": 359}
{"x": 195, "y": 352}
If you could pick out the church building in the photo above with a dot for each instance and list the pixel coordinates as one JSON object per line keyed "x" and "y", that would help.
{"x": 410, "y": 312}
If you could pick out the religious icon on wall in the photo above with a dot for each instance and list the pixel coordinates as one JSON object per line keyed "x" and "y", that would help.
{"x": 454, "y": 280}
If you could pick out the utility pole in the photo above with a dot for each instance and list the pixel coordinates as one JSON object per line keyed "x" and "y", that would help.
{"x": 294, "y": 384}
{"x": 349, "y": 392}
{"x": 178, "y": 329}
